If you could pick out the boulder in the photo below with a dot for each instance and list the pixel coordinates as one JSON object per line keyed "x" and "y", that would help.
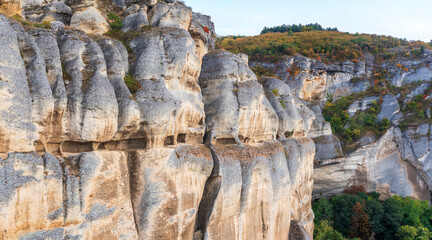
{"x": 135, "y": 22}
{"x": 90, "y": 21}
{"x": 389, "y": 108}
{"x": 170, "y": 15}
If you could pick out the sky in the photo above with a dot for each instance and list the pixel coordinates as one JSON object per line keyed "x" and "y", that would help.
{"x": 410, "y": 19}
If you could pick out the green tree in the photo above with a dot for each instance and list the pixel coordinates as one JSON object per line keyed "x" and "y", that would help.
{"x": 342, "y": 206}
{"x": 407, "y": 233}
{"x": 323, "y": 210}
{"x": 324, "y": 231}
{"x": 375, "y": 210}
{"x": 393, "y": 218}
{"x": 423, "y": 233}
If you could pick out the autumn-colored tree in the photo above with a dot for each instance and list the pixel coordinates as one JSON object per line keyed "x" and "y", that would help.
{"x": 360, "y": 226}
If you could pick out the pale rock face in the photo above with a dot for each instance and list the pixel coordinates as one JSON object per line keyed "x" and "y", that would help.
{"x": 170, "y": 15}
{"x": 204, "y": 40}
{"x": 295, "y": 118}
{"x": 89, "y": 21}
{"x": 320, "y": 127}
{"x": 315, "y": 81}
{"x": 122, "y": 165}
{"x": 40, "y": 89}
{"x": 93, "y": 208}
{"x": 170, "y": 99}
{"x": 135, "y": 22}
{"x": 92, "y": 109}
{"x": 299, "y": 154}
{"x": 235, "y": 104}
{"x": 418, "y": 70}
{"x": 168, "y": 185}
{"x": 379, "y": 166}
{"x": 116, "y": 57}
{"x": 247, "y": 190}
{"x": 49, "y": 50}
{"x": 327, "y": 147}
{"x": 55, "y": 11}
{"x": 17, "y": 132}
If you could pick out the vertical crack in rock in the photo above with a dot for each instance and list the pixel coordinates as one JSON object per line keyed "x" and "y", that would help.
{"x": 133, "y": 168}
{"x": 211, "y": 191}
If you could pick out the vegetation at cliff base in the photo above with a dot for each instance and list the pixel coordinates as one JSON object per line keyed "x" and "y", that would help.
{"x": 361, "y": 215}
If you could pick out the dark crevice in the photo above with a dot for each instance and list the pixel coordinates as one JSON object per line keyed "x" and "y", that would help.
{"x": 210, "y": 194}
{"x": 133, "y": 168}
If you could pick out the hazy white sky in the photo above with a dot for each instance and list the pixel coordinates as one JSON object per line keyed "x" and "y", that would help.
{"x": 411, "y": 19}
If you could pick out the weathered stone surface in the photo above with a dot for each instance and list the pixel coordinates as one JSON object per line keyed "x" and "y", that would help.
{"x": 168, "y": 185}
{"x": 56, "y": 11}
{"x": 295, "y": 118}
{"x": 170, "y": 15}
{"x": 97, "y": 203}
{"x": 315, "y": 81}
{"x": 92, "y": 110}
{"x": 202, "y": 30}
{"x": 379, "y": 166}
{"x": 89, "y": 21}
{"x": 361, "y": 105}
{"x": 135, "y": 21}
{"x": 389, "y": 108}
{"x": 130, "y": 165}
{"x": 116, "y": 57}
{"x": 299, "y": 153}
{"x": 231, "y": 91}
{"x": 248, "y": 189}
{"x": 327, "y": 147}
{"x": 17, "y": 132}
{"x": 170, "y": 99}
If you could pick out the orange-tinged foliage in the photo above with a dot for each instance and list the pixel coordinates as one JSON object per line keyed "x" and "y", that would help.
{"x": 327, "y": 45}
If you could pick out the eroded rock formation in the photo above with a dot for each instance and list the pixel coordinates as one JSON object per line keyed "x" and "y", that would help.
{"x": 201, "y": 150}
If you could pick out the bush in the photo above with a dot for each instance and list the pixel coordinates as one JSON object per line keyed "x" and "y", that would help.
{"x": 114, "y": 21}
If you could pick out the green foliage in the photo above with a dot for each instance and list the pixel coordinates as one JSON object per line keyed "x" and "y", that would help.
{"x": 30, "y": 24}
{"x": 323, "y": 210}
{"x": 362, "y": 215}
{"x": 393, "y": 218}
{"x": 375, "y": 210}
{"x": 282, "y": 103}
{"x": 412, "y": 233}
{"x": 324, "y": 231}
{"x": 276, "y": 92}
{"x": 133, "y": 85}
{"x": 297, "y": 28}
{"x": 407, "y": 233}
{"x": 114, "y": 21}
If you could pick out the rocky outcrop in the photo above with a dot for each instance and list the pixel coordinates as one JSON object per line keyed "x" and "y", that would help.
{"x": 197, "y": 151}
{"x": 381, "y": 166}
{"x": 312, "y": 80}
{"x": 231, "y": 91}
{"x": 89, "y": 21}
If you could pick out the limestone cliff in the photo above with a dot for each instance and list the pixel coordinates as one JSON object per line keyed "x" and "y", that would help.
{"x": 399, "y": 162}
{"x": 200, "y": 149}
